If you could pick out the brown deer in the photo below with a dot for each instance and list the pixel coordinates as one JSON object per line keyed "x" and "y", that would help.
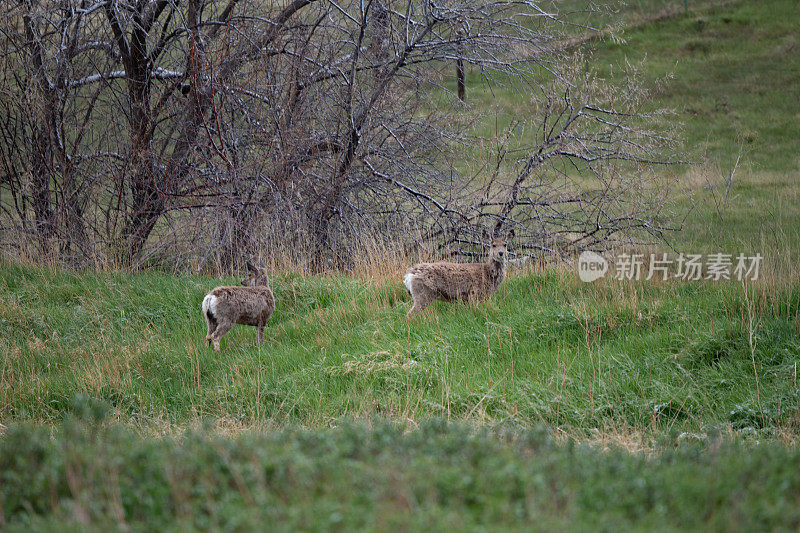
{"x": 457, "y": 281}
{"x": 251, "y": 305}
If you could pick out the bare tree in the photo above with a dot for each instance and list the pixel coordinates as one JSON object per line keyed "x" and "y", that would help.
{"x": 138, "y": 129}
{"x": 43, "y": 126}
{"x": 588, "y": 173}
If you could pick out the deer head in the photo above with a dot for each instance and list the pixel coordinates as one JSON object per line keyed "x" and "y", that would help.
{"x": 498, "y": 248}
{"x": 256, "y": 275}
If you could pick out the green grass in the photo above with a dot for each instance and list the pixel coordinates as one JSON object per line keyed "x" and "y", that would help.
{"x": 620, "y": 357}
{"x": 735, "y": 70}
{"x": 383, "y": 477}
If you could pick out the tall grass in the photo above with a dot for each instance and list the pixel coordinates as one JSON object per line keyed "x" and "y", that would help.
{"x": 614, "y": 357}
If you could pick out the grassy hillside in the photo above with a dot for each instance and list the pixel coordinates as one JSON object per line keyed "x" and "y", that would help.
{"x": 736, "y": 73}
{"x": 731, "y": 72}
{"x": 618, "y": 357}
{"x": 735, "y": 86}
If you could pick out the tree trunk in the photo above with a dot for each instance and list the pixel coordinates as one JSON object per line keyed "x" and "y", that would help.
{"x": 44, "y": 221}
{"x": 41, "y": 149}
{"x": 460, "y": 79}
{"x": 462, "y": 94}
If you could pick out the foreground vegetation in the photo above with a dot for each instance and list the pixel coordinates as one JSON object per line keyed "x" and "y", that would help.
{"x": 380, "y": 478}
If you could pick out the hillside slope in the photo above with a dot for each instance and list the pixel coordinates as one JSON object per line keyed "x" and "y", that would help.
{"x": 731, "y": 73}
{"x": 616, "y": 356}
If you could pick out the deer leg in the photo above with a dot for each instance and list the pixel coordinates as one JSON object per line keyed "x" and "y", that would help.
{"x": 473, "y": 296}
{"x": 211, "y": 322}
{"x": 422, "y": 299}
{"x": 260, "y": 330}
{"x": 222, "y": 328}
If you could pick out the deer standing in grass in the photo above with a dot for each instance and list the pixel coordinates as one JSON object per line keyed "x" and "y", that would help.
{"x": 457, "y": 281}
{"x": 251, "y": 305}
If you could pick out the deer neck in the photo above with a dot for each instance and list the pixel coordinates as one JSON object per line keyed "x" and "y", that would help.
{"x": 497, "y": 270}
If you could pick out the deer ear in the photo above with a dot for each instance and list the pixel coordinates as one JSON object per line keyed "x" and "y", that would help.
{"x": 510, "y": 234}
{"x": 262, "y": 265}
{"x": 485, "y": 235}
{"x": 250, "y": 267}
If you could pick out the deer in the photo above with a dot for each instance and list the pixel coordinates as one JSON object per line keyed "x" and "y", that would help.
{"x": 450, "y": 282}
{"x": 251, "y": 304}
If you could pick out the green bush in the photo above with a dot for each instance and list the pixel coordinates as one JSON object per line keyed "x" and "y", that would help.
{"x": 384, "y": 476}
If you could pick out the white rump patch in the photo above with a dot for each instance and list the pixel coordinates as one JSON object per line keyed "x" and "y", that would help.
{"x": 407, "y": 280}
{"x": 210, "y": 302}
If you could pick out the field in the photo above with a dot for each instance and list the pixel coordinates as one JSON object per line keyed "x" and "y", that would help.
{"x": 614, "y": 357}
{"x": 734, "y": 75}
{"x": 643, "y": 405}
